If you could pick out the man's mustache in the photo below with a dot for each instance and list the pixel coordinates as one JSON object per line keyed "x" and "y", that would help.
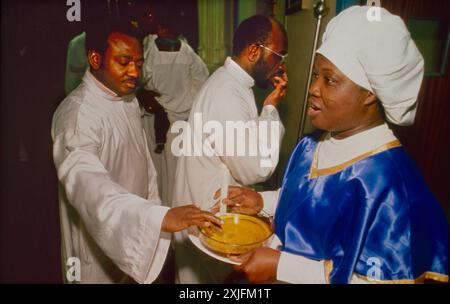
{"x": 133, "y": 79}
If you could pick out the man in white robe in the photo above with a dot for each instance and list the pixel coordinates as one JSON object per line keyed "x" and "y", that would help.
{"x": 112, "y": 220}
{"x": 259, "y": 48}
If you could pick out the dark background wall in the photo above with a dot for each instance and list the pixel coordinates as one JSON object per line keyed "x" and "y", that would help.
{"x": 428, "y": 139}
{"x": 34, "y": 41}
{"x": 34, "y": 38}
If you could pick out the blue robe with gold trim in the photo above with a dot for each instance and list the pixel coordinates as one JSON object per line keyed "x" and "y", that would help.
{"x": 374, "y": 217}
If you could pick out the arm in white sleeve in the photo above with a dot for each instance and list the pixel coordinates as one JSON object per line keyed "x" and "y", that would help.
{"x": 146, "y": 80}
{"x": 125, "y": 226}
{"x": 264, "y": 132}
{"x": 297, "y": 269}
{"x": 300, "y": 270}
{"x": 270, "y": 199}
{"x": 165, "y": 238}
{"x": 197, "y": 71}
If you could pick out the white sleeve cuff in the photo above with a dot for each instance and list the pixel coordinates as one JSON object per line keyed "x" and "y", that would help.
{"x": 297, "y": 269}
{"x": 157, "y": 261}
{"x": 300, "y": 270}
{"x": 270, "y": 200}
{"x": 271, "y": 111}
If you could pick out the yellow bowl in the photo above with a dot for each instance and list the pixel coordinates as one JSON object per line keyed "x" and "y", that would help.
{"x": 240, "y": 233}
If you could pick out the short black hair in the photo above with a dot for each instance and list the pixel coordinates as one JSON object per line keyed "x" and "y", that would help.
{"x": 255, "y": 29}
{"x": 97, "y": 35}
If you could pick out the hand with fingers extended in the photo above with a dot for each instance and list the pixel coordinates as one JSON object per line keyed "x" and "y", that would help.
{"x": 180, "y": 218}
{"x": 259, "y": 265}
{"x": 241, "y": 200}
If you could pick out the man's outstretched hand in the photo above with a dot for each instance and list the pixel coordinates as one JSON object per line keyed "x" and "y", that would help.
{"x": 180, "y": 218}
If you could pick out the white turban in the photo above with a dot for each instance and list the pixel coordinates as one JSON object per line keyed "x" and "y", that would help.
{"x": 378, "y": 55}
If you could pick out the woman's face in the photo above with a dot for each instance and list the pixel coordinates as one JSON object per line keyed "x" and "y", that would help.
{"x": 336, "y": 104}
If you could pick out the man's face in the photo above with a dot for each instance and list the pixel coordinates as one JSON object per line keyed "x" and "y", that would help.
{"x": 270, "y": 64}
{"x": 261, "y": 72}
{"x": 121, "y": 64}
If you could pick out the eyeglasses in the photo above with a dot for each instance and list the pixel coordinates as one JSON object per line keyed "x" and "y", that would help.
{"x": 283, "y": 57}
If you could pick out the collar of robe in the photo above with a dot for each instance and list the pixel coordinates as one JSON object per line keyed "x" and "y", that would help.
{"x": 100, "y": 89}
{"x": 168, "y": 44}
{"x": 239, "y": 73}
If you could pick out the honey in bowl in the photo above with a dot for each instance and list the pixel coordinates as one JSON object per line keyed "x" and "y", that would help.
{"x": 240, "y": 233}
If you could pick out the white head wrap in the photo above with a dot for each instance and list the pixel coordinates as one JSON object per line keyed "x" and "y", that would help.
{"x": 378, "y": 55}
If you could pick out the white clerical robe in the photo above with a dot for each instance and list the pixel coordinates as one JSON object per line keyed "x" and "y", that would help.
{"x": 177, "y": 76}
{"x": 226, "y": 96}
{"x": 110, "y": 210}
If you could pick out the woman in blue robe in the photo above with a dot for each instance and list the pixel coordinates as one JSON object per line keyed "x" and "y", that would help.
{"x": 353, "y": 206}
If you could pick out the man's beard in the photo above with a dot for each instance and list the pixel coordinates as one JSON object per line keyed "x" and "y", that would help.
{"x": 260, "y": 74}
